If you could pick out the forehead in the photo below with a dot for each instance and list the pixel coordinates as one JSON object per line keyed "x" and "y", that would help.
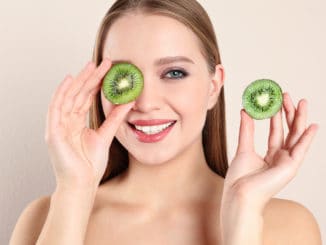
{"x": 150, "y": 36}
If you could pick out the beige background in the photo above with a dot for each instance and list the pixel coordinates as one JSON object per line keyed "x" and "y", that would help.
{"x": 42, "y": 41}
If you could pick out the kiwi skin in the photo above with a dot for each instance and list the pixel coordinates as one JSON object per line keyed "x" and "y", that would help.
{"x": 123, "y": 83}
{"x": 272, "y": 103}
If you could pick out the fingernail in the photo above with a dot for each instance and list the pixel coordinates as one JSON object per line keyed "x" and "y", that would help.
{"x": 243, "y": 113}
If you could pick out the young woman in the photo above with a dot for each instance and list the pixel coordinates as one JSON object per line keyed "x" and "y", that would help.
{"x": 116, "y": 187}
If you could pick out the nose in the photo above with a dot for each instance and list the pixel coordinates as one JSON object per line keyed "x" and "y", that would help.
{"x": 149, "y": 99}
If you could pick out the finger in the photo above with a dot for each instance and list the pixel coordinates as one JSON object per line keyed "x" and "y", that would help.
{"x": 289, "y": 109}
{"x": 90, "y": 87}
{"x": 298, "y": 125}
{"x": 301, "y": 147}
{"x": 113, "y": 121}
{"x": 75, "y": 87}
{"x": 275, "y": 139}
{"x": 80, "y": 117}
{"x": 246, "y": 134}
{"x": 85, "y": 73}
{"x": 53, "y": 118}
{"x": 84, "y": 108}
{"x": 70, "y": 98}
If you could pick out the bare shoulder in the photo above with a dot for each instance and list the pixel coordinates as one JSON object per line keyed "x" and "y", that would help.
{"x": 289, "y": 222}
{"x": 30, "y": 222}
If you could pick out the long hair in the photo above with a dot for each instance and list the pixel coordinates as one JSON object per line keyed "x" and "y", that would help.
{"x": 192, "y": 15}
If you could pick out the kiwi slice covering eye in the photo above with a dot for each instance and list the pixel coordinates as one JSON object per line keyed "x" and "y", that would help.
{"x": 262, "y": 99}
{"x": 123, "y": 83}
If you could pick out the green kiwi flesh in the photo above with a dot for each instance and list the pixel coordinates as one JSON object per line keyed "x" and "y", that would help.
{"x": 262, "y": 99}
{"x": 123, "y": 83}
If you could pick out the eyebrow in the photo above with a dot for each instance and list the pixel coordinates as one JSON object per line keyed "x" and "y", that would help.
{"x": 162, "y": 61}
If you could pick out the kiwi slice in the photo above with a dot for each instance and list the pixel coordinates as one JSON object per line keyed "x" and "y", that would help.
{"x": 123, "y": 83}
{"x": 262, "y": 99}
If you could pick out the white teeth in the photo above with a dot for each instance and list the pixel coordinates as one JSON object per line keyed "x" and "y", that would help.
{"x": 153, "y": 129}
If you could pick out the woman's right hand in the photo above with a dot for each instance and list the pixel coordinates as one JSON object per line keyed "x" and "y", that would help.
{"x": 79, "y": 154}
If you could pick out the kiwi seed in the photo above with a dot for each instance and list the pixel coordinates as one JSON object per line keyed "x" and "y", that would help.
{"x": 123, "y": 83}
{"x": 262, "y": 99}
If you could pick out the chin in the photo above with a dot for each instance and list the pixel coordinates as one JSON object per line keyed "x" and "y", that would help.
{"x": 150, "y": 159}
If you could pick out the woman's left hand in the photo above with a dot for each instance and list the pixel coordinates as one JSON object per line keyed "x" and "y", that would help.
{"x": 252, "y": 180}
{"x": 255, "y": 179}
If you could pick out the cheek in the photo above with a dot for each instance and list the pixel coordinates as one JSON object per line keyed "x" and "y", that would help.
{"x": 190, "y": 98}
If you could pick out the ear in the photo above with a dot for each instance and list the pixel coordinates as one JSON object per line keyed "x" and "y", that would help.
{"x": 216, "y": 83}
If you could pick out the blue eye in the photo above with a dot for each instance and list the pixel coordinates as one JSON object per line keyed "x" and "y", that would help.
{"x": 177, "y": 74}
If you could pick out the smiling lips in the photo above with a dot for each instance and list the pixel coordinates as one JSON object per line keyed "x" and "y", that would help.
{"x": 149, "y": 131}
{"x": 151, "y": 122}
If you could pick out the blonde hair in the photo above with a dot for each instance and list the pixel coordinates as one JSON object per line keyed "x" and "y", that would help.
{"x": 192, "y": 15}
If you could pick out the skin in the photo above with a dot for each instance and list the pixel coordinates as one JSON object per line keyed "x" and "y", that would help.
{"x": 152, "y": 166}
{"x": 168, "y": 195}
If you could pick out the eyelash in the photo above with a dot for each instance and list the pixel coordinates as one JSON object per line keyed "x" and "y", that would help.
{"x": 185, "y": 74}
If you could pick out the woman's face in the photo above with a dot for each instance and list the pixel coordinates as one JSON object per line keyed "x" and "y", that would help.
{"x": 181, "y": 91}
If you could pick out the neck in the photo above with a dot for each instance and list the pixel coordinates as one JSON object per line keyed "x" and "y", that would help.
{"x": 180, "y": 180}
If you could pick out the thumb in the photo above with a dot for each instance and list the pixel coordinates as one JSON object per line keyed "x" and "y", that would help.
{"x": 113, "y": 120}
{"x": 246, "y": 133}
